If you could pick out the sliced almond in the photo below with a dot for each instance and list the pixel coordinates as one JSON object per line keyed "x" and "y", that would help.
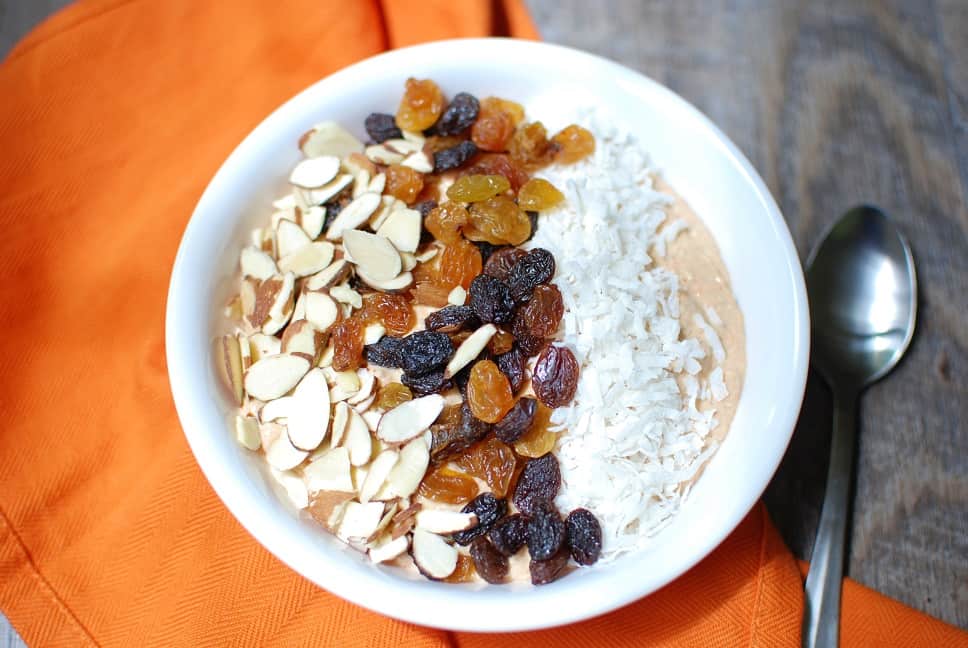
{"x": 269, "y": 432}
{"x": 360, "y": 520}
{"x": 265, "y": 296}
{"x": 353, "y": 215}
{"x": 373, "y": 332}
{"x": 283, "y": 455}
{"x": 419, "y": 161}
{"x": 470, "y": 349}
{"x": 361, "y": 182}
{"x": 380, "y": 154}
{"x": 378, "y": 473}
{"x": 295, "y": 488}
{"x": 357, "y": 440}
{"x": 402, "y": 228}
{"x": 387, "y": 206}
{"x": 401, "y": 282}
{"x": 367, "y": 382}
{"x": 388, "y": 548}
{"x": 230, "y": 365}
{"x": 329, "y": 138}
{"x": 312, "y": 221}
{"x": 286, "y": 202}
{"x": 378, "y": 183}
{"x": 321, "y": 310}
{"x": 402, "y": 145}
{"x": 372, "y": 418}
{"x": 307, "y": 260}
{"x": 409, "y": 469}
{"x": 373, "y": 254}
{"x": 358, "y": 474}
{"x": 275, "y": 323}
{"x": 330, "y": 472}
{"x": 262, "y": 345}
{"x": 247, "y": 432}
{"x": 290, "y": 237}
{"x": 245, "y": 352}
{"x": 316, "y": 197}
{"x": 407, "y": 261}
{"x": 409, "y": 419}
{"x": 445, "y": 522}
{"x": 328, "y": 276}
{"x": 256, "y": 263}
{"x": 282, "y": 306}
{"x": 314, "y": 172}
{"x": 391, "y": 510}
{"x": 277, "y": 408}
{"x": 299, "y": 310}
{"x": 415, "y": 137}
{"x": 341, "y": 415}
{"x": 326, "y": 357}
{"x": 273, "y": 376}
{"x": 327, "y": 508}
{"x": 428, "y": 254}
{"x": 343, "y": 384}
{"x": 346, "y": 295}
{"x": 308, "y": 420}
{"x": 284, "y": 214}
{"x": 301, "y": 336}
{"x": 356, "y": 161}
{"x": 457, "y": 296}
{"x": 433, "y": 556}
{"x": 247, "y": 297}
{"x": 363, "y": 406}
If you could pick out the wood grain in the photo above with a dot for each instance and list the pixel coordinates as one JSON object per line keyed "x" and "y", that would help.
{"x": 834, "y": 103}
{"x": 837, "y": 103}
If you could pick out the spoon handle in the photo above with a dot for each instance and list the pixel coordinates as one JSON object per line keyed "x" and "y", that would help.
{"x": 821, "y": 614}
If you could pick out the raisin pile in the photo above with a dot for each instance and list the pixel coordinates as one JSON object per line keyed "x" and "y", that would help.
{"x": 493, "y": 452}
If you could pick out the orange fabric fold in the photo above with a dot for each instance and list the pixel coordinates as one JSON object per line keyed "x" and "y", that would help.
{"x": 116, "y": 114}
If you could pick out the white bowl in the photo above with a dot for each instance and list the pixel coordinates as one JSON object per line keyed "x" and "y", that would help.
{"x": 694, "y": 156}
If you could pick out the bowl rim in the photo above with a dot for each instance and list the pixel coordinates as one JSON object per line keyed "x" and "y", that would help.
{"x": 437, "y": 607}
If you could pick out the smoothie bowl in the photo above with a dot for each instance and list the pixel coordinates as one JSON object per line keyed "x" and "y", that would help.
{"x": 466, "y": 346}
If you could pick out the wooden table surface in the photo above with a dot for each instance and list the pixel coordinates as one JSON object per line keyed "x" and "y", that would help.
{"x": 835, "y": 103}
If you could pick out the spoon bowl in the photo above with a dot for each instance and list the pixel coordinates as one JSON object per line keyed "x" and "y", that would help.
{"x": 861, "y": 284}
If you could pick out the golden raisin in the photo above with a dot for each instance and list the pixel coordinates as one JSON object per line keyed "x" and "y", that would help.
{"x": 436, "y": 143}
{"x": 574, "y": 143}
{"x": 512, "y": 109}
{"x": 492, "y": 461}
{"x": 538, "y": 440}
{"x": 460, "y": 262}
{"x": 499, "y": 221}
{"x": 348, "y": 344}
{"x": 429, "y": 293}
{"x": 448, "y": 486}
{"x": 420, "y": 106}
{"x": 493, "y": 128}
{"x": 445, "y": 221}
{"x": 475, "y": 188}
{"x": 464, "y": 572}
{"x": 498, "y": 164}
{"x": 538, "y": 194}
{"x": 501, "y": 342}
{"x": 391, "y": 395}
{"x": 451, "y": 415}
{"x": 403, "y": 183}
{"x": 391, "y": 310}
{"x": 530, "y": 146}
{"x": 488, "y": 392}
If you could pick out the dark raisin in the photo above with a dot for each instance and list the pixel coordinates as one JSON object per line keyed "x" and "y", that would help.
{"x": 459, "y": 116}
{"x": 425, "y": 207}
{"x": 513, "y": 364}
{"x": 555, "y": 376}
{"x": 547, "y": 571}
{"x": 451, "y": 319}
{"x": 491, "y": 299}
{"x": 534, "y": 268}
{"x": 385, "y": 352}
{"x": 584, "y": 536}
{"x": 454, "y": 157}
{"x": 546, "y": 531}
{"x": 540, "y": 315}
{"x": 381, "y": 127}
{"x": 540, "y": 480}
{"x": 491, "y": 564}
{"x": 488, "y": 510}
{"x": 499, "y": 264}
{"x": 510, "y": 534}
{"x": 533, "y": 217}
{"x": 424, "y": 351}
{"x": 516, "y": 422}
{"x": 449, "y": 439}
{"x": 487, "y": 249}
{"x": 432, "y": 382}
{"x": 530, "y": 344}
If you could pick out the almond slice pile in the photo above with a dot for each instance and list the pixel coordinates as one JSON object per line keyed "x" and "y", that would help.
{"x": 353, "y": 467}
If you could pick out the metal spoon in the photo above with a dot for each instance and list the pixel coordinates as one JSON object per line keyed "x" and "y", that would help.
{"x": 863, "y": 299}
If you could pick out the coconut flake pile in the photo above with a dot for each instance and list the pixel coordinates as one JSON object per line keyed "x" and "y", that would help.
{"x": 633, "y": 440}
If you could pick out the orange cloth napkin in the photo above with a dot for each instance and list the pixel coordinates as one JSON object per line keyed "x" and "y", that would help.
{"x": 115, "y": 115}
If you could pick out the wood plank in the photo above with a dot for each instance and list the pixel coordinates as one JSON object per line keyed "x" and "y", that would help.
{"x": 835, "y": 104}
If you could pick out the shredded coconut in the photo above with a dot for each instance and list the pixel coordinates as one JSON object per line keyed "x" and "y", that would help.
{"x": 633, "y": 438}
